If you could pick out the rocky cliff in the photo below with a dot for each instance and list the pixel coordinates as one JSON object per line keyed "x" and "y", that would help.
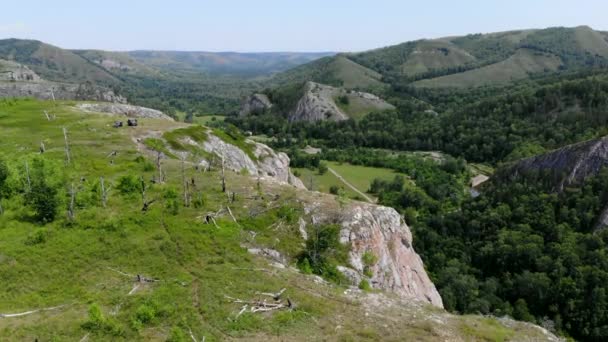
{"x": 124, "y": 109}
{"x": 569, "y": 165}
{"x": 378, "y": 233}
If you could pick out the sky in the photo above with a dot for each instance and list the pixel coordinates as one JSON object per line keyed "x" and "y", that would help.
{"x": 279, "y": 25}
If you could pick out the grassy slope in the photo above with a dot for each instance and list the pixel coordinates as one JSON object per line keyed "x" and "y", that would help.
{"x": 516, "y": 67}
{"x": 197, "y": 264}
{"x": 435, "y": 54}
{"x": 53, "y": 63}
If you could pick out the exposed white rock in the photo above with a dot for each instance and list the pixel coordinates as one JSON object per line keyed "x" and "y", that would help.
{"x": 13, "y": 71}
{"x": 379, "y": 230}
{"x": 124, "y": 109}
{"x": 317, "y": 104}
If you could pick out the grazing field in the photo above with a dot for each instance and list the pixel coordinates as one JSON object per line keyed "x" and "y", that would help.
{"x": 359, "y": 176}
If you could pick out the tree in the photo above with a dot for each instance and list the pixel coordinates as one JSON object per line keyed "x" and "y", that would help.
{"x": 42, "y": 197}
{"x": 323, "y": 168}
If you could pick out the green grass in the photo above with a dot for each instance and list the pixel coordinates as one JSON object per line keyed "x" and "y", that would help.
{"x": 69, "y": 263}
{"x": 517, "y": 67}
{"x": 359, "y": 176}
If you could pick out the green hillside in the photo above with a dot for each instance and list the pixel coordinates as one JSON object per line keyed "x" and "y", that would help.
{"x": 74, "y": 268}
{"x": 53, "y": 63}
{"x": 465, "y": 61}
{"x": 518, "y": 66}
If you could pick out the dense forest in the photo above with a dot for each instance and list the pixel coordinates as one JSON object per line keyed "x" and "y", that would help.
{"x": 519, "y": 249}
{"x": 488, "y": 129}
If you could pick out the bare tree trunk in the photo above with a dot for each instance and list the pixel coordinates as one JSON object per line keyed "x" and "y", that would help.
{"x": 71, "y": 206}
{"x": 67, "y": 145}
{"x": 185, "y": 183}
{"x": 104, "y": 192}
{"x": 223, "y": 176}
{"x": 42, "y": 147}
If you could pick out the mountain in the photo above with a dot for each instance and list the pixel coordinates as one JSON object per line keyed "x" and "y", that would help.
{"x": 53, "y": 63}
{"x": 463, "y": 61}
{"x": 225, "y": 63}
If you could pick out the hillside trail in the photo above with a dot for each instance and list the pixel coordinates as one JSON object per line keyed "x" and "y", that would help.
{"x": 367, "y": 198}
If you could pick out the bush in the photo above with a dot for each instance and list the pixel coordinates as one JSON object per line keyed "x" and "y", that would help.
{"x": 40, "y": 236}
{"x": 364, "y": 285}
{"x": 323, "y": 252}
{"x": 129, "y": 185}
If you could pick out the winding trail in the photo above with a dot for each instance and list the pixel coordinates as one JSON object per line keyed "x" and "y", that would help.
{"x": 367, "y": 198}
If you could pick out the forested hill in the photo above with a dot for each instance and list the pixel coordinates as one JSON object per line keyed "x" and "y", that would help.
{"x": 173, "y": 81}
{"x": 465, "y": 61}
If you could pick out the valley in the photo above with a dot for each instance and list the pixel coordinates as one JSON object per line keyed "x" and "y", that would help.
{"x": 447, "y": 189}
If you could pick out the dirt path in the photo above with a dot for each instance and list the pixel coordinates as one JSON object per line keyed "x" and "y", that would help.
{"x": 367, "y": 198}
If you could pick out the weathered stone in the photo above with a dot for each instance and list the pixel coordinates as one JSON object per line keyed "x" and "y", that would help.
{"x": 124, "y": 109}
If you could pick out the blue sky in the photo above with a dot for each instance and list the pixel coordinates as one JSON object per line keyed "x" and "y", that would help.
{"x": 279, "y": 25}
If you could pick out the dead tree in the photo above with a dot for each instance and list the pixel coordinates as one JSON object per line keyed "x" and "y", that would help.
{"x": 223, "y": 175}
{"x": 42, "y": 147}
{"x": 185, "y": 183}
{"x": 104, "y": 192}
{"x": 72, "y": 200}
{"x": 145, "y": 203}
{"x": 48, "y": 117}
{"x": 67, "y": 145}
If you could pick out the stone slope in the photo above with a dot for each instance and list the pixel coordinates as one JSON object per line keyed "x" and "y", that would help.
{"x": 319, "y": 103}
{"x": 571, "y": 164}
{"x": 124, "y": 109}
{"x": 18, "y": 80}
{"x": 380, "y": 231}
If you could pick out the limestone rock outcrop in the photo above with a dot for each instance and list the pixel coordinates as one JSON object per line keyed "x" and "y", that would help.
{"x": 124, "y": 109}
{"x": 378, "y": 231}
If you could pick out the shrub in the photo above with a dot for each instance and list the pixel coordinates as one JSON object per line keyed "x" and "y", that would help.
{"x": 129, "y": 184}
{"x": 364, "y": 285}
{"x": 323, "y": 252}
{"x": 40, "y": 236}
{"x": 322, "y": 168}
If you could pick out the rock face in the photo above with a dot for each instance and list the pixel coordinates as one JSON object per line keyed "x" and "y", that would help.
{"x": 12, "y": 71}
{"x": 571, "y": 165}
{"x": 378, "y": 231}
{"x": 269, "y": 164}
{"x": 124, "y": 109}
{"x": 381, "y": 232}
{"x": 319, "y": 103}
{"x": 255, "y": 103}
{"x": 266, "y": 163}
